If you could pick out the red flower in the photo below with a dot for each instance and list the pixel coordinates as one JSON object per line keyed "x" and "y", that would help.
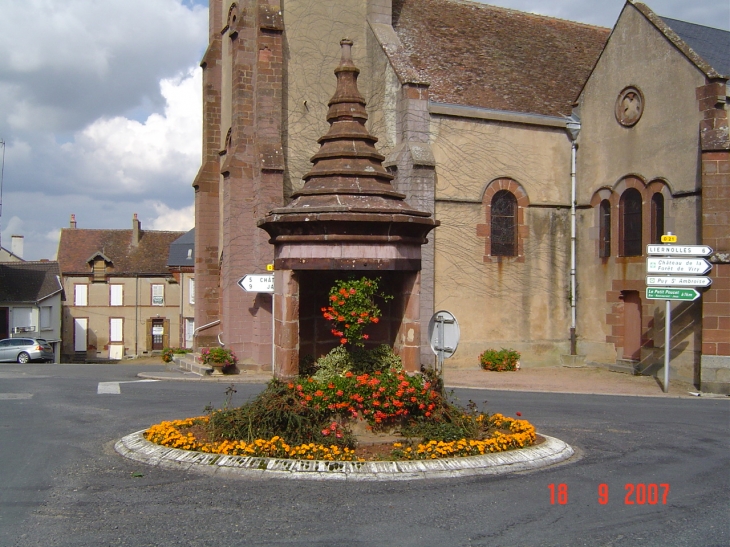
{"x": 343, "y": 340}
{"x": 374, "y": 319}
{"x": 518, "y": 413}
{"x": 366, "y": 336}
{"x": 333, "y": 297}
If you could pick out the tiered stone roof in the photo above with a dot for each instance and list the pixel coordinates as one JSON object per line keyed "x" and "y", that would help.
{"x": 347, "y": 195}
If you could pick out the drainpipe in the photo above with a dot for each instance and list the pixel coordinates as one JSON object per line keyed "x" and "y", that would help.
{"x": 573, "y": 127}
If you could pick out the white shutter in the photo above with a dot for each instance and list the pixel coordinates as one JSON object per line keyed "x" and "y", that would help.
{"x": 158, "y": 295}
{"x": 116, "y": 295}
{"x": 81, "y": 295}
{"x": 191, "y": 292}
{"x": 46, "y": 317}
{"x": 116, "y": 328}
{"x": 81, "y": 325}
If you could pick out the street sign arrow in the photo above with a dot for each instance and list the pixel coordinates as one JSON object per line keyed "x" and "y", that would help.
{"x": 692, "y": 266}
{"x": 676, "y": 281}
{"x": 257, "y": 283}
{"x": 662, "y": 293}
{"x": 686, "y": 250}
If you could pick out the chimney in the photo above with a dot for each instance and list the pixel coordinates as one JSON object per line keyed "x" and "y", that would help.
{"x": 136, "y": 228}
{"x": 72, "y": 224}
{"x": 16, "y": 246}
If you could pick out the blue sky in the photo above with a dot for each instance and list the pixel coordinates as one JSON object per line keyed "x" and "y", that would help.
{"x": 100, "y": 107}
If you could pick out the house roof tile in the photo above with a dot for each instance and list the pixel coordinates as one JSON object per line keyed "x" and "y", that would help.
{"x": 149, "y": 256}
{"x": 473, "y": 54}
{"x": 28, "y": 281}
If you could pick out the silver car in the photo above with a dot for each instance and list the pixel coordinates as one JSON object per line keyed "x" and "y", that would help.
{"x": 23, "y": 350}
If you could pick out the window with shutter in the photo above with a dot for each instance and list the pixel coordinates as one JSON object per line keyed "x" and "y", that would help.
{"x": 116, "y": 329}
{"x": 158, "y": 295}
{"x": 116, "y": 295}
{"x": 81, "y": 295}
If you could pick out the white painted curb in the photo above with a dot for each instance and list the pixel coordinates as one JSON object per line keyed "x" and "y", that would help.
{"x": 552, "y": 451}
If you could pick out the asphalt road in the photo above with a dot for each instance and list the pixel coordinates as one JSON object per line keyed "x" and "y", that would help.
{"x": 61, "y": 483}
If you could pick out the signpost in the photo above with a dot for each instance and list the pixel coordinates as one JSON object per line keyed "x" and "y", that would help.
{"x": 667, "y": 286}
{"x": 671, "y": 281}
{"x": 665, "y": 293}
{"x": 692, "y": 266}
{"x": 686, "y": 250}
{"x": 443, "y": 335}
{"x": 257, "y": 283}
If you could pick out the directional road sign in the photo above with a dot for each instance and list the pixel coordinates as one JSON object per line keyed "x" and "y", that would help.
{"x": 692, "y": 266}
{"x": 257, "y": 283}
{"x": 663, "y": 293}
{"x": 669, "y": 281}
{"x": 686, "y": 250}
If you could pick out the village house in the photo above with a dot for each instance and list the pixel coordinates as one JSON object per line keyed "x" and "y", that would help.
{"x": 123, "y": 300}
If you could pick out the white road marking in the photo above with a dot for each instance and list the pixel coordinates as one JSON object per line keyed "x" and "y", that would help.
{"x": 112, "y": 388}
{"x": 15, "y": 396}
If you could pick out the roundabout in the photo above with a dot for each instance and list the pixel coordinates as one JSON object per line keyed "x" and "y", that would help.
{"x": 549, "y": 452}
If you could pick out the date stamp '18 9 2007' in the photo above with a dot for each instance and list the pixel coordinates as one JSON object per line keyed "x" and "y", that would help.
{"x": 635, "y": 493}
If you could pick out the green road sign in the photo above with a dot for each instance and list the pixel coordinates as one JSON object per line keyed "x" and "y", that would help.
{"x": 664, "y": 293}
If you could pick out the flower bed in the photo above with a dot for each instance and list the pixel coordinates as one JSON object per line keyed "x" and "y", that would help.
{"x": 508, "y": 434}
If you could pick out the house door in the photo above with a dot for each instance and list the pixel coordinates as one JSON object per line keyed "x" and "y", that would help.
{"x": 632, "y": 325}
{"x": 81, "y": 328}
{"x": 158, "y": 334}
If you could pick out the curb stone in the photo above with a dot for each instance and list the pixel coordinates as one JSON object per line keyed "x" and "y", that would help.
{"x": 550, "y": 452}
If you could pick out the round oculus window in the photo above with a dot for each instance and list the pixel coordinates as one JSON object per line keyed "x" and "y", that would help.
{"x": 629, "y": 106}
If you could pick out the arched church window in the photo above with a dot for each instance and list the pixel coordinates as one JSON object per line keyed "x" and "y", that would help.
{"x": 630, "y": 223}
{"x": 657, "y": 217}
{"x": 604, "y": 228}
{"x": 504, "y": 224}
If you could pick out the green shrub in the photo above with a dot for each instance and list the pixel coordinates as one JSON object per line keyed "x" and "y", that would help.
{"x": 167, "y": 353}
{"x": 358, "y": 361}
{"x": 504, "y": 359}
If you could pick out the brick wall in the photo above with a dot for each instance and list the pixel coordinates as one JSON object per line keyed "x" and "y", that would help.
{"x": 716, "y": 234}
{"x": 716, "y": 215}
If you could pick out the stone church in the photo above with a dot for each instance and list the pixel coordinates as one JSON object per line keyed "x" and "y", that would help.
{"x": 547, "y": 155}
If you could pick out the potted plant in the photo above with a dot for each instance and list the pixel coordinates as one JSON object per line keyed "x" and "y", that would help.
{"x": 222, "y": 360}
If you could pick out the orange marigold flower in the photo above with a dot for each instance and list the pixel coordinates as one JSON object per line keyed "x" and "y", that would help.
{"x": 374, "y": 319}
{"x": 333, "y": 297}
{"x": 341, "y": 303}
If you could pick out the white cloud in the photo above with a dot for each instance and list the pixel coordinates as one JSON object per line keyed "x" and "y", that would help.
{"x": 118, "y": 155}
{"x": 173, "y": 219}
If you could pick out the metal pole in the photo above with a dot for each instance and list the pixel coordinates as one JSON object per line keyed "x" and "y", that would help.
{"x": 667, "y": 338}
{"x": 440, "y": 327}
{"x": 573, "y": 348}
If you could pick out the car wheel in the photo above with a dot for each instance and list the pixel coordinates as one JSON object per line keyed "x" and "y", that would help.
{"x": 23, "y": 358}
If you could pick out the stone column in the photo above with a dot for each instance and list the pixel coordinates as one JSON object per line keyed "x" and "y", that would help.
{"x": 286, "y": 325}
{"x": 408, "y": 339}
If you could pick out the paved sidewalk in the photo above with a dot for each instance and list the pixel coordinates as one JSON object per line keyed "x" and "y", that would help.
{"x": 559, "y": 379}
{"x": 562, "y": 379}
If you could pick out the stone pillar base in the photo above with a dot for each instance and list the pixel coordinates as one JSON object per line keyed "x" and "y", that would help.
{"x": 715, "y": 374}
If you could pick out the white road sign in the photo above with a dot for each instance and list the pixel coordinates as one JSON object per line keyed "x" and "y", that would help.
{"x": 257, "y": 283}
{"x": 667, "y": 281}
{"x": 685, "y": 250}
{"x": 691, "y": 266}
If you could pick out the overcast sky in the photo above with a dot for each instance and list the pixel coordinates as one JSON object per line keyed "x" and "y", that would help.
{"x": 100, "y": 107}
